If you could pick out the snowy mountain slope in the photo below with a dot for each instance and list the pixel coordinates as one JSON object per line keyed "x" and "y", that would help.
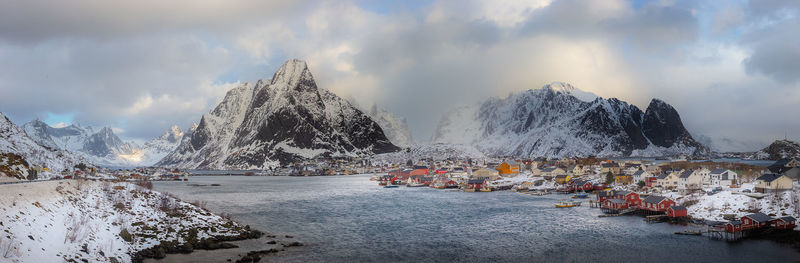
{"x": 553, "y": 122}
{"x": 436, "y": 152}
{"x": 779, "y": 149}
{"x": 103, "y": 147}
{"x": 395, "y": 127}
{"x": 14, "y": 140}
{"x": 278, "y": 121}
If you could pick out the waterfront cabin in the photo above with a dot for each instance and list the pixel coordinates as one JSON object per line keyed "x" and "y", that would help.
{"x": 733, "y": 226}
{"x": 604, "y": 195}
{"x": 508, "y": 169}
{"x": 677, "y": 211}
{"x": 786, "y": 222}
{"x": 656, "y": 203}
{"x": 615, "y": 204}
{"x": 632, "y": 198}
{"x": 485, "y": 173}
{"x": 475, "y": 184}
{"x": 600, "y": 186}
{"x": 755, "y": 220}
{"x": 581, "y": 185}
{"x": 419, "y": 170}
{"x": 773, "y": 183}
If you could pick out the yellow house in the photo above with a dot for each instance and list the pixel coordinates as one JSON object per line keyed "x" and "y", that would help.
{"x": 623, "y": 179}
{"x": 578, "y": 170}
{"x": 563, "y": 178}
{"x": 609, "y": 167}
{"x": 509, "y": 168}
{"x": 773, "y": 183}
{"x": 489, "y": 174}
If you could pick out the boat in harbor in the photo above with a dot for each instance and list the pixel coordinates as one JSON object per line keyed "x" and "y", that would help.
{"x": 486, "y": 189}
{"x": 374, "y": 177}
{"x": 390, "y": 186}
{"x": 584, "y": 195}
{"x": 415, "y": 184}
{"x": 566, "y": 204}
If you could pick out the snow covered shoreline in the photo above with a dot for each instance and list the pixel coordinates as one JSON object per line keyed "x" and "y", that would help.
{"x": 78, "y": 220}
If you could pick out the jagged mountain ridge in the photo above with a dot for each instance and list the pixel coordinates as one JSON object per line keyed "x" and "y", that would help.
{"x": 554, "y": 122}
{"x": 15, "y": 140}
{"x": 274, "y": 122}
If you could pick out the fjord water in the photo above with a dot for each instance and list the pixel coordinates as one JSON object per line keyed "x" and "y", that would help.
{"x": 351, "y": 219}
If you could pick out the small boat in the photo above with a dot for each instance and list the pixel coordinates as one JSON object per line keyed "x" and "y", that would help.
{"x": 580, "y": 196}
{"x": 565, "y": 204}
{"x": 469, "y": 190}
{"x": 382, "y": 183}
{"x": 415, "y": 184}
{"x": 486, "y": 189}
{"x": 390, "y": 186}
{"x": 374, "y": 177}
{"x": 689, "y": 233}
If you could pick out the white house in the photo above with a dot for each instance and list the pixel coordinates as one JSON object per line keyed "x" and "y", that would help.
{"x": 720, "y": 177}
{"x": 640, "y": 175}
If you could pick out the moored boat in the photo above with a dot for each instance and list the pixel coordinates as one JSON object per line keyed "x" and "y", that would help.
{"x": 390, "y": 186}
{"x": 580, "y": 196}
{"x": 565, "y": 204}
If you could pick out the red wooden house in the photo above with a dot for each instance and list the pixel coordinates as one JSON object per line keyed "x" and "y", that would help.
{"x": 677, "y": 211}
{"x": 600, "y": 186}
{"x": 733, "y": 226}
{"x": 786, "y": 222}
{"x": 656, "y": 203}
{"x": 632, "y": 198}
{"x": 650, "y": 181}
{"x": 475, "y": 183}
{"x": 441, "y": 171}
{"x": 755, "y": 220}
{"x": 615, "y": 204}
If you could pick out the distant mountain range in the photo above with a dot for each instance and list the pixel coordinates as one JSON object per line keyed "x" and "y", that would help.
{"x": 279, "y": 121}
{"x": 103, "y": 147}
{"x": 559, "y": 120}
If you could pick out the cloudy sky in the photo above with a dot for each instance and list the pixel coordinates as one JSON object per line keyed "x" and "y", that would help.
{"x": 731, "y": 68}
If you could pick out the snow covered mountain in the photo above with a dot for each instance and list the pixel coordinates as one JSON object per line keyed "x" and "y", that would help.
{"x": 278, "y": 121}
{"x": 779, "y": 149}
{"x": 16, "y": 141}
{"x": 395, "y": 127}
{"x": 559, "y": 120}
{"x": 103, "y": 147}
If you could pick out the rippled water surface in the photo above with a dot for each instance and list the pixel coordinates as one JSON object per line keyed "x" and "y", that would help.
{"x": 349, "y": 218}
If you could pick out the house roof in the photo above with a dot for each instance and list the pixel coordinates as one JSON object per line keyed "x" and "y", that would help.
{"x": 663, "y": 176}
{"x": 779, "y": 169}
{"x": 686, "y": 174}
{"x": 769, "y": 177}
{"x": 623, "y": 193}
{"x": 640, "y": 172}
{"x": 718, "y": 171}
{"x": 653, "y": 199}
{"x": 420, "y": 167}
{"x": 609, "y": 165}
{"x": 512, "y": 162}
{"x": 547, "y": 170}
{"x": 561, "y": 176}
{"x": 677, "y": 207}
{"x": 735, "y": 223}
{"x": 787, "y": 219}
{"x": 759, "y": 217}
{"x": 780, "y": 163}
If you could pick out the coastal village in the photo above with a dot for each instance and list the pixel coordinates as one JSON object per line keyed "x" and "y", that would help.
{"x": 732, "y": 200}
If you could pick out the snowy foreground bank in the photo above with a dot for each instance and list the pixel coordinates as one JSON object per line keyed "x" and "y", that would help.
{"x": 85, "y": 221}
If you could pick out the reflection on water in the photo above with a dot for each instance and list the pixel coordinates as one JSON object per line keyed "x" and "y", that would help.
{"x": 349, "y": 218}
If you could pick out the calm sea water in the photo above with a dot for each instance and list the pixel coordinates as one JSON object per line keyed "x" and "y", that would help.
{"x": 351, "y": 219}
